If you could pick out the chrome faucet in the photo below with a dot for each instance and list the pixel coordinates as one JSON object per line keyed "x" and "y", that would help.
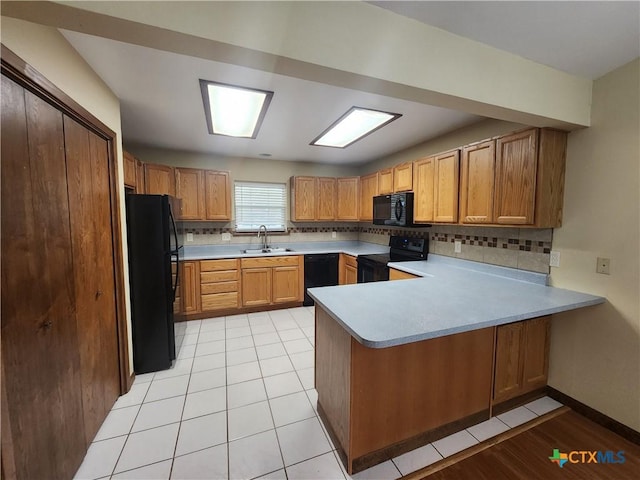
{"x": 264, "y": 239}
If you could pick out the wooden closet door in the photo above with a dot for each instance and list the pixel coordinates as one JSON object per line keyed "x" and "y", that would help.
{"x": 40, "y": 361}
{"x": 90, "y": 206}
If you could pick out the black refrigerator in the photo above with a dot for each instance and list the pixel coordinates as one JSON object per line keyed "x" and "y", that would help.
{"x": 154, "y": 256}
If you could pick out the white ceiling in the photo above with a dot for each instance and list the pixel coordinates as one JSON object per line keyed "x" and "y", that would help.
{"x": 161, "y": 103}
{"x": 587, "y": 39}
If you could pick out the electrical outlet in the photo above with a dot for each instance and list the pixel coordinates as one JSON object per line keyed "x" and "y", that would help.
{"x": 457, "y": 246}
{"x": 603, "y": 265}
{"x": 334, "y": 234}
{"x": 189, "y": 237}
{"x": 554, "y": 259}
{"x": 226, "y": 237}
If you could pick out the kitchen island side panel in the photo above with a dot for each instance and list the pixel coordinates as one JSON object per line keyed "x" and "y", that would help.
{"x": 401, "y": 392}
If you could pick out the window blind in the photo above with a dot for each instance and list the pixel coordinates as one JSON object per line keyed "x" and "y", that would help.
{"x": 260, "y": 204}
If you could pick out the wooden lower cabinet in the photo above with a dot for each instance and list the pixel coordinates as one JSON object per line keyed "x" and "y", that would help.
{"x": 219, "y": 284}
{"x": 347, "y": 269}
{"x": 399, "y": 275}
{"x": 257, "y": 286}
{"x": 286, "y": 284}
{"x": 522, "y": 358}
{"x": 272, "y": 280}
{"x": 190, "y": 294}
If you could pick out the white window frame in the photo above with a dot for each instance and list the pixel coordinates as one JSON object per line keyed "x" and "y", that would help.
{"x": 252, "y": 197}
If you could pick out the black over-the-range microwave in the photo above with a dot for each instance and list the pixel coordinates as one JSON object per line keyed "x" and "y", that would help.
{"x": 395, "y": 209}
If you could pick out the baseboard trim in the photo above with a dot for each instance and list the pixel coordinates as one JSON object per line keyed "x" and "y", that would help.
{"x": 183, "y": 317}
{"x": 595, "y": 416}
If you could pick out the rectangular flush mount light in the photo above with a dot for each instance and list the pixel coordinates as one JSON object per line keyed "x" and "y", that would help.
{"x": 352, "y": 126}
{"x": 234, "y": 111}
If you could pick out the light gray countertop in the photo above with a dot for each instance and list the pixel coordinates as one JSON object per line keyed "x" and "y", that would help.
{"x": 452, "y": 296}
{"x": 210, "y": 252}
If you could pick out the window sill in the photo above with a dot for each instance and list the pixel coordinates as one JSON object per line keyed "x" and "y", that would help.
{"x": 253, "y": 234}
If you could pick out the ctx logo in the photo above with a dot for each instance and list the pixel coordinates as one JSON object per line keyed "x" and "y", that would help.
{"x": 586, "y": 456}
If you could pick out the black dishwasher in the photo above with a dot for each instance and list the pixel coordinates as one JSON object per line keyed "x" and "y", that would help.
{"x": 320, "y": 270}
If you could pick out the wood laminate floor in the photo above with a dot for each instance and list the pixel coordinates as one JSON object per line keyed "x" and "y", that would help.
{"x": 526, "y": 455}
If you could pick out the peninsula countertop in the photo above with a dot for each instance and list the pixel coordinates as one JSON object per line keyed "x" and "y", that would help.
{"x": 211, "y": 252}
{"x": 452, "y": 296}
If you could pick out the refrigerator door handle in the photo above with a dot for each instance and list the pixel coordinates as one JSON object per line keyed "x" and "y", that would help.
{"x": 177, "y": 252}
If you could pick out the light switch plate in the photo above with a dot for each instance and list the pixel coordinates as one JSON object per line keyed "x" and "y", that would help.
{"x": 457, "y": 246}
{"x": 333, "y": 234}
{"x": 189, "y": 237}
{"x": 602, "y": 265}
{"x": 226, "y": 237}
{"x": 554, "y": 259}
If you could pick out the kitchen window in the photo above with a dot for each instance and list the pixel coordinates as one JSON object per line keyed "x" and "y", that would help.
{"x": 258, "y": 204}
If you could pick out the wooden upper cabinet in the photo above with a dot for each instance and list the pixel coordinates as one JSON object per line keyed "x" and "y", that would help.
{"x": 477, "y": 182}
{"x": 129, "y": 170}
{"x": 190, "y": 189}
{"x": 516, "y": 162}
{"x": 423, "y": 178}
{"x": 303, "y": 199}
{"x": 139, "y": 176}
{"x": 403, "y": 177}
{"x": 217, "y": 196}
{"x": 326, "y": 200}
{"x": 368, "y": 190}
{"x": 446, "y": 174}
{"x": 385, "y": 181}
{"x": 348, "y": 198}
{"x": 159, "y": 179}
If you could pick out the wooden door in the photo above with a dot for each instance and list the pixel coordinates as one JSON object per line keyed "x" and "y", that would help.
{"x": 286, "y": 284}
{"x": 217, "y": 195}
{"x": 516, "y": 166}
{"x": 403, "y": 177}
{"x": 536, "y": 353}
{"x": 326, "y": 203}
{"x": 385, "y": 181}
{"x": 129, "y": 169}
{"x": 477, "y": 183}
{"x": 190, "y": 280}
{"x": 41, "y": 381}
{"x": 303, "y": 198}
{"x": 445, "y": 204}
{"x": 423, "y": 183}
{"x": 139, "y": 176}
{"x": 348, "y": 198}
{"x": 256, "y": 286}
{"x": 190, "y": 190}
{"x": 93, "y": 260}
{"x": 350, "y": 274}
{"x": 508, "y": 366}
{"x": 368, "y": 190}
{"x": 159, "y": 179}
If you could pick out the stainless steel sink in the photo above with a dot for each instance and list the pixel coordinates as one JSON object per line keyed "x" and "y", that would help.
{"x": 255, "y": 251}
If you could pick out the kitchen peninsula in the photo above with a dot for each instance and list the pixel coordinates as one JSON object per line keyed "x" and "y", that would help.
{"x": 400, "y": 364}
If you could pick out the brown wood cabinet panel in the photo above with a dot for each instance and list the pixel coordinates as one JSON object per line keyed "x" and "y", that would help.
{"x": 368, "y": 190}
{"x": 159, "y": 179}
{"x": 400, "y": 275}
{"x": 256, "y": 286}
{"x": 508, "y": 368}
{"x": 347, "y": 269}
{"x": 403, "y": 177}
{"x": 446, "y": 173}
{"x": 217, "y": 195}
{"x": 537, "y": 334}
{"x": 139, "y": 176}
{"x": 219, "y": 301}
{"x": 350, "y": 275}
{"x": 283, "y": 261}
{"x": 190, "y": 189}
{"x": 218, "y": 276}
{"x": 385, "y": 181}
{"x": 477, "y": 183}
{"x": 326, "y": 202}
{"x": 219, "y": 287}
{"x": 40, "y": 357}
{"x": 286, "y": 284}
{"x": 516, "y": 162}
{"x": 90, "y": 212}
{"x": 190, "y": 287}
{"x": 423, "y": 185}
{"x": 303, "y": 198}
{"x": 552, "y": 151}
{"x": 130, "y": 169}
{"x": 348, "y": 198}
{"x": 215, "y": 265}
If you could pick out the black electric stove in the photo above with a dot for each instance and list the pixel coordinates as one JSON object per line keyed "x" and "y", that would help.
{"x": 373, "y": 268}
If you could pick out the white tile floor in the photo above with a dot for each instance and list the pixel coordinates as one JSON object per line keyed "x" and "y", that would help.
{"x": 239, "y": 403}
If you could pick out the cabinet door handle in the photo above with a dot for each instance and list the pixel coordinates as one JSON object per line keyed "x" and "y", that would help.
{"x": 98, "y": 294}
{"x": 46, "y": 325}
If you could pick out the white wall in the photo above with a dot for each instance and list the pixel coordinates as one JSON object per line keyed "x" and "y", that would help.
{"x": 595, "y": 352}
{"x": 46, "y": 50}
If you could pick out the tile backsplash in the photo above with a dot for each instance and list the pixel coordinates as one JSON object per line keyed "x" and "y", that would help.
{"x": 522, "y": 248}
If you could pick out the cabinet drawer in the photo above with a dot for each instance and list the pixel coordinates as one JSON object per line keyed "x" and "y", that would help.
{"x": 270, "y": 261}
{"x": 216, "y": 265}
{"x": 351, "y": 261}
{"x": 219, "y": 301}
{"x": 221, "y": 276}
{"x": 220, "y": 287}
